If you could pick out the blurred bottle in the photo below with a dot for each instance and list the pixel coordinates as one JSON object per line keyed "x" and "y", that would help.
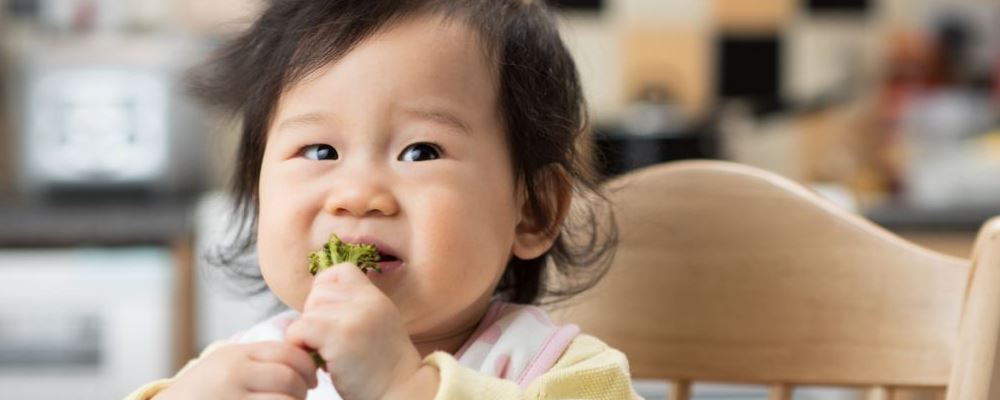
{"x": 909, "y": 74}
{"x": 928, "y": 73}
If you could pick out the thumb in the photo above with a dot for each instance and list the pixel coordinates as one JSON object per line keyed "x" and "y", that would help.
{"x": 340, "y": 275}
{"x": 338, "y": 283}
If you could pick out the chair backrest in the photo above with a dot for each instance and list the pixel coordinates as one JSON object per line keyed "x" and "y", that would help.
{"x": 728, "y": 273}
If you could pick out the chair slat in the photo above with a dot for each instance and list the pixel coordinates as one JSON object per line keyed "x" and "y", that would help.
{"x": 878, "y": 393}
{"x": 680, "y": 390}
{"x": 919, "y": 394}
{"x": 780, "y": 392}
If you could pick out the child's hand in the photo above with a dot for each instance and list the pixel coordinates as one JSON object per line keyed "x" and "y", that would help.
{"x": 240, "y": 371}
{"x": 359, "y": 333}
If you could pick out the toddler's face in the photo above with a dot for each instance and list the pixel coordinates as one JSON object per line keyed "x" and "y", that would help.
{"x": 399, "y": 143}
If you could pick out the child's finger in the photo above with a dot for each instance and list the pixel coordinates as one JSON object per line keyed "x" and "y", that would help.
{"x": 283, "y": 353}
{"x": 346, "y": 274}
{"x": 269, "y": 396}
{"x": 329, "y": 286}
{"x": 263, "y": 377}
{"x": 307, "y": 333}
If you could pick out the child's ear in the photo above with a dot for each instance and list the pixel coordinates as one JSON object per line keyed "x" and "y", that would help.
{"x": 539, "y": 225}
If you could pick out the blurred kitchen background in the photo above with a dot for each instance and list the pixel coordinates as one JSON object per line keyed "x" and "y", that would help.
{"x": 111, "y": 177}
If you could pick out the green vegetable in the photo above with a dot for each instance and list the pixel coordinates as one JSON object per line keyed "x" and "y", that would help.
{"x": 318, "y": 359}
{"x": 335, "y": 251}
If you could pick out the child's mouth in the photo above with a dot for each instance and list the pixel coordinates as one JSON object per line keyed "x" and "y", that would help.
{"x": 387, "y": 263}
{"x": 383, "y": 258}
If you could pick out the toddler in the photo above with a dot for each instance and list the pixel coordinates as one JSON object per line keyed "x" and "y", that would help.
{"x": 450, "y": 135}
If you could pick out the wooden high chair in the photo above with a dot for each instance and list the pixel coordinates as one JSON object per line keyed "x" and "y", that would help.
{"x": 727, "y": 273}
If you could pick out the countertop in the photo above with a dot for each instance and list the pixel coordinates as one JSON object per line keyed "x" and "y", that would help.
{"x": 95, "y": 222}
{"x": 902, "y": 218}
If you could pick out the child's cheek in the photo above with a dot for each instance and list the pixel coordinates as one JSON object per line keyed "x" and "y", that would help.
{"x": 281, "y": 256}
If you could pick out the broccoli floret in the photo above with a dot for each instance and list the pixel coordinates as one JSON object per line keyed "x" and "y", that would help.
{"x": 335, "y": 251}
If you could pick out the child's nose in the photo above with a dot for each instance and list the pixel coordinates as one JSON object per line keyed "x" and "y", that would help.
{"x": 363, "y": 198}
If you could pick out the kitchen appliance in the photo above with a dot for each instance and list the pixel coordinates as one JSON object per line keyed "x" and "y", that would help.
{"x": 749, "y": 68}
{"x": 103, "y": 115}
{"x": 88, "y": 323}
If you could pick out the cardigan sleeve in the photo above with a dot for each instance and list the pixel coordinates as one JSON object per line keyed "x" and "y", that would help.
{"x": 588, "y": 369}
{"x": 149, "y": 390}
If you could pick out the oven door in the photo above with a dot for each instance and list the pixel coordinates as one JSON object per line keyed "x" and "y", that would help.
{"x": 83, "y": 323}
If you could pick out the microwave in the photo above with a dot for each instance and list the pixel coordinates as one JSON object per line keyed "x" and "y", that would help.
{"x": 104, "y": 116}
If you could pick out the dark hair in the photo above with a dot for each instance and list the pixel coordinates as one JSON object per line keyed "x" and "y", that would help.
{"x": 541, "y": 103}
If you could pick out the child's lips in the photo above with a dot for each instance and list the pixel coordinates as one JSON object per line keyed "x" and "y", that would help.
{"x": 385, "y": 251}
{"x": 387, "y": 267}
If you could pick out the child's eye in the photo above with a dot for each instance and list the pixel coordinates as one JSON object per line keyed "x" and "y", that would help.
{"x": 320, "y": 152}
{"x": 420, "y": 152}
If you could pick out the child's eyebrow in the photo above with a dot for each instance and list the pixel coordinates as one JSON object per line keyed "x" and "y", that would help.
{"x": 435, "y": 115}
{"x": 439, "y": 116}
{"x": 313, "y": 118}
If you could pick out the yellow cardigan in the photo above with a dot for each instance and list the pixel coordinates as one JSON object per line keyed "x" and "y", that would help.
{"x": 588, "y": 369}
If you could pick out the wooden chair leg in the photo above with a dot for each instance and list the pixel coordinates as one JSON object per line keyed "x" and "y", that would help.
{"x": 182, "y": 251}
